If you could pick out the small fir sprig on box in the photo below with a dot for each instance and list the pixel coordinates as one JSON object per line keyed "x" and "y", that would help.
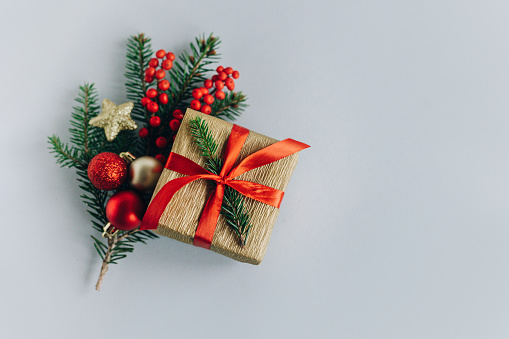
{"x": 161, "y": 87}
{"x": 232, "y": 208}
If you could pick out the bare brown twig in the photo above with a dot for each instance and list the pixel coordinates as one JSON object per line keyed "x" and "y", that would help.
{"x": 112, "y": 243}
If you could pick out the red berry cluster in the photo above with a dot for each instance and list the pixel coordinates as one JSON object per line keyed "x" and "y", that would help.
{"x": 154, "y": 97}
{"x": 206, "y": 94}
{"x": 155, "y": 121}
{"x": 150, "y": 101}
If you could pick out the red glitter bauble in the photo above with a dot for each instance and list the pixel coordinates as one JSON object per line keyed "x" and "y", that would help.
{"x": 125, "y": 210}
{"x": 107, "y": 171}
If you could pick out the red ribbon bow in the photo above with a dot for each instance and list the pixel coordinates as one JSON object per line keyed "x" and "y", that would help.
{"x": 210, "y": 214}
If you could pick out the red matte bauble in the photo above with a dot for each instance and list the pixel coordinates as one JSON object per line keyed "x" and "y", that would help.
{"x": 107, "y": 171}
{"x": 125, "y": 210}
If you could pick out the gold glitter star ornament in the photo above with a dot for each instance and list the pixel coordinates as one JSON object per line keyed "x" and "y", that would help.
{"x": 114, "y": 119}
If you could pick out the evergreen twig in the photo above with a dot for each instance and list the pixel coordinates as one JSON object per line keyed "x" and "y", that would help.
{"x": 206, "y": 144}
{"x": 230, "y": 107}
{"x": 233, "y": 207}
{"x": 86, "y": 142}
{"x": 192, "y": 71}
{"x": 66, "y": 156}
{"x": 139, "y": 51}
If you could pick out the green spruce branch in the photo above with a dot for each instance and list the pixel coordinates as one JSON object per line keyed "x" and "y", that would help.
{"x": 233, "y": 208}
{"x": 66, "y": 156}
{"x": 190, "y": 73}
{"x": 139, "y": 52}
{"x": 230, "y": 107}
{"x": 86, "y": 142}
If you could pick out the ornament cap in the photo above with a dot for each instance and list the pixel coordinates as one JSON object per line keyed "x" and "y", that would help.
{"x": 109, "y": 231}
{"x": 128, "y": 157}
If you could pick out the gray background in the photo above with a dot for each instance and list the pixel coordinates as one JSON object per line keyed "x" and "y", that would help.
{"x": 395, "y": 223}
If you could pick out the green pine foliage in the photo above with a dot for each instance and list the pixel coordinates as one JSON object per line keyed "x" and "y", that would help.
{"x": 233, "y": 209}
{"x": 188, "y": 72}
{"x": 85, "y": 143}
{"x": 206, "y": 144}
{"x": 231, "y": 107}
{"x": 139, "y": 52}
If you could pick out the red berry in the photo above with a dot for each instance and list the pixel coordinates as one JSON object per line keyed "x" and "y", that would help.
{"x": 145, "y": 101}
{"x": 204, "y": 91}
{"x": 173, "y": 137}
{"x": 163, "y": 98}
{"x": 206, "y": 109}
{"x": 197, "y": 94}
{"x": 219, "y": 69}
{"x": 229, "y": 82}
{"x": 148, "y": 79}
{"x": 161, "y": 158}
{"x": 170, "y": 56}
{"x": 219, "y": 84}
{"x": 150, "y": 71}
{"x": 153, "y": 62}
{"x": 228, "y": 70}
{"x": 160, "y": 53}
{"x": 161, "y": 142}
{"x": 143, "y": 132}
{"x": 220, "y": 95}
{"x": 160, "y": 74}
{"x": 155, "y": 121}
{"x": 195, "y": 104}
{"x": 174, "y": 124}
{"x": 235, "y": 74}
{"x": 177, "y": 114}
{"x": 164, "y": 85}
{"x": 208, "y": 99}
{"x": 152, "y": 107}
{"x": 215, "y": 78}
{"x": 222, "y": 76}
{"x": 167, "y": 64}
{"x": 151, "y": 93}
{"x": 232, "y": 87}
{"x": 208, "y": 83}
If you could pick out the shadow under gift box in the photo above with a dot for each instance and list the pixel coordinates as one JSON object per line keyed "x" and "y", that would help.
{"x": 182, "y": 214}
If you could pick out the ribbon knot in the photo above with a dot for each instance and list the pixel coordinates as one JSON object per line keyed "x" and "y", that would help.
{"x": 208, "y": 220}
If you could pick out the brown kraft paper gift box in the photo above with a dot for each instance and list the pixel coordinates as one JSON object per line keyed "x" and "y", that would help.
{"x": 182, "y": 214}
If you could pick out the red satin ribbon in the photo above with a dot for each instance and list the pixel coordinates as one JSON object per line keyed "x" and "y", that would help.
{"x": 210, "y": 214}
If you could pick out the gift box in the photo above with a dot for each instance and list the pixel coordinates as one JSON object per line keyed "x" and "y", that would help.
{"x": 183, "y": 202}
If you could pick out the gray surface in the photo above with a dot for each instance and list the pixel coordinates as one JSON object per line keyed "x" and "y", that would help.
{"x": 395, "y": 223}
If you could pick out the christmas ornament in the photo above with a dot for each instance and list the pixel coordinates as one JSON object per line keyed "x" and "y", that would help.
{"x": 114, "y": 118}
{"x": 107, "y": 171}
{"x": 125, "y": 210}
{"x": 144, "y": 172}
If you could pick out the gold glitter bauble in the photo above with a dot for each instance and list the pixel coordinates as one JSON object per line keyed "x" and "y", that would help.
{"x": 144, "y": 172}
{"x": 114, "y": 119}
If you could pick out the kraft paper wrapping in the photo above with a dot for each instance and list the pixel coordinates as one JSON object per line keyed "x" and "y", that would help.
{"x": 180, "y": 218}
